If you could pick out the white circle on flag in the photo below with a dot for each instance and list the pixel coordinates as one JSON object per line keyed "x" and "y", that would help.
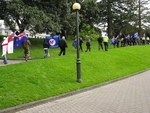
{"x": 52, "y": 42}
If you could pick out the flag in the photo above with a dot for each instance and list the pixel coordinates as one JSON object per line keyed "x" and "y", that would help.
{"x": 7, "y": 45}
{"x": 53, "y": 41}
{"x": 19, "y": 40}
{"x": 21, "y": 35}
{"x": 74, "y": 44}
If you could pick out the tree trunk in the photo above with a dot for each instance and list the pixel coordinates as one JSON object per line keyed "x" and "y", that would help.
{"x": 139, "y": 15}
{"x": 109, "y": 19}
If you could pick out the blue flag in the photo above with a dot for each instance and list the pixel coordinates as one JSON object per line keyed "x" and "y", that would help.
{"x": 18, "y": 41}
{"x": 74, "y": 44}
{"x": 53, "y": 41}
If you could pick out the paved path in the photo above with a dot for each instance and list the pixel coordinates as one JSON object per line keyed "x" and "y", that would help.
{"x": 11, "y": 62}
{"x": 130, "y": 95}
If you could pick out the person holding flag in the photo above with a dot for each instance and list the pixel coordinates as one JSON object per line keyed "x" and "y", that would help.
{"x": 4, "y": 55}
{"x": 19, "y": 39}
{"x": 7, "y": 46}
{"x": 26, "y": 47}
{"x": 22, "y": 40}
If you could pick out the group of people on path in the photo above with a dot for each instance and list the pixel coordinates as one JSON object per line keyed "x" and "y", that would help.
{"x": 128, "y": 40}
{"x": 88, "y": 44}
{"x": 62, "y": 45}
{"x": 101, "y": 40}
{"x": 26, "y": 47}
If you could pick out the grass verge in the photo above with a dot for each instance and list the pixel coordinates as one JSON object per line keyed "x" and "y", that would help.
{"x": 38, "y": 79}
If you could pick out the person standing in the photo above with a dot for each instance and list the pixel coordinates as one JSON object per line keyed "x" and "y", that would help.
{"x": 26, "y": 47}
{"x": 117, "y": 41}
{"x": 46, "y": 47}
{"x": 105, "y": 40}
{"x": 128, "y": 40}
{"x": 100, "y": 43}
{"x": 147, "y": 40}
{"x": 88, "y": 45}
{"x": 136, "y": 38}
{"x": 143, "y": 39}
{"x": 113, "y": 41}
{"x": 80, "y": 44}
{"x": 3, "y": 54}
{"x": 63, "y": 45}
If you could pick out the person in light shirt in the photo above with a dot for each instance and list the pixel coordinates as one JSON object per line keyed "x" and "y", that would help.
{"x": 105, "y": 40}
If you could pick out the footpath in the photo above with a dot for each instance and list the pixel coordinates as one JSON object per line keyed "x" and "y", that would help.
{"x": 11, "y": 62}
{"x": 128, "y": 95}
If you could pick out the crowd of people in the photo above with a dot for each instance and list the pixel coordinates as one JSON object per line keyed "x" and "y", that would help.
{"x": 129, "y": 40}
{"x": 119, "y": 41}
{"x": 103, "y": 42}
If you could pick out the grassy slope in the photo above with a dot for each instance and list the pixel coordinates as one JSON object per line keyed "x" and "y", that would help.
{"x": 38, "y": 79}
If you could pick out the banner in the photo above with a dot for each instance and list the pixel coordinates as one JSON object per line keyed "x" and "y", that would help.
{"x": 74, "y": 44}
{"x": 18, "y": 41}
{"x": 7, "y": 45}
{"x": 53, "y": 41}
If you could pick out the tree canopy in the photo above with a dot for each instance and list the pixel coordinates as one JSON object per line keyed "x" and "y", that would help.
{"x": 57, "y": 16}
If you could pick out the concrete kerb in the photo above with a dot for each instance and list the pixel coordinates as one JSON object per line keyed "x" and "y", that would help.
{"x": 43, "y": 101}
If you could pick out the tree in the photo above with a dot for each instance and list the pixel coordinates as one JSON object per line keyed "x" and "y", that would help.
{"x": 87, "y": 31}
{"x": 3, "y": 8}
{"x": 143, "y": 14}
{"x": 24, "y": 16}
{"x": 117, "y": 15}
{"x": 39, "y": 16}
{"x": 57, "y": 16}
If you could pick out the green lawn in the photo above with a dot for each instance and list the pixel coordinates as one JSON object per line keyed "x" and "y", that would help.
{"x": 38, "y": 79}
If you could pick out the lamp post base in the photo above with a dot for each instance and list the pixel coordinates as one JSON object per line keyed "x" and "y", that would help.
{"x": 79, "y": 80}
{"x": 78, "y": 69}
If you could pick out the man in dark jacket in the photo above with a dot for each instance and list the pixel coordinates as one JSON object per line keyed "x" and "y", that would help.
{"x": 88, "y": 45}
{"x": 100, "y": 43}
{"x": 80, "y": 43}
{"x": 63, "y": 46}
{"x": 26, "y": 47}
{"x": 46, "y": 47}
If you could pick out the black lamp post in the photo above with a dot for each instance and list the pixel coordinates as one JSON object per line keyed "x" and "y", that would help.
{"x": 76, "y": 7}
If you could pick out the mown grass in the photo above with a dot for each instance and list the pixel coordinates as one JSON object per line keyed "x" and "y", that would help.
{"x": 38, "y": 79}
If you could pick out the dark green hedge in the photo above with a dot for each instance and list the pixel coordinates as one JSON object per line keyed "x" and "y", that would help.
{"x": 1, "y": 37}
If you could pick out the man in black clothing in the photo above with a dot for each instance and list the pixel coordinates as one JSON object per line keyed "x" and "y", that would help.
{"x": 88, "y": 45}
{"x": 80, "y": 43}
{"x": 63, "y": 46}
{"x": 100, "y": 43}
{"x": 46, "y": 47}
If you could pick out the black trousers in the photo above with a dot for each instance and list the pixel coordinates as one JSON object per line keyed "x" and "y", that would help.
{"x": 106, "y": 46}
{"x": 62, "y": 50}
{"x": 100, "y": 45}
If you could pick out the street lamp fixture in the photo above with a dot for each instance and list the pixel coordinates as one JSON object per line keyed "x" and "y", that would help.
{"x": 77, "y": 7}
